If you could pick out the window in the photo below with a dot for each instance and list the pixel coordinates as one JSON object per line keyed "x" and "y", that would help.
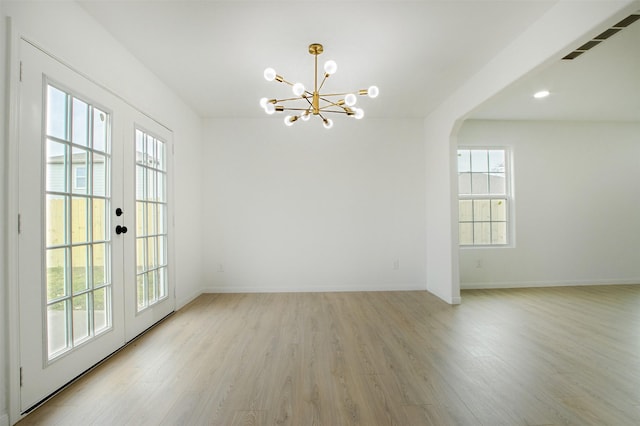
{"x": 80, "y": 178}
{"x": 484, "y": 198}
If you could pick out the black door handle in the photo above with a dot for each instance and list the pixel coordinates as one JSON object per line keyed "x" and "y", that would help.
{"x": 119, "y": 213}
{"x": 121, "y": 229}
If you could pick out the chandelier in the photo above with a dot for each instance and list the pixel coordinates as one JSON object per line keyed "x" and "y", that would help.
{"x": 307, "y": 103}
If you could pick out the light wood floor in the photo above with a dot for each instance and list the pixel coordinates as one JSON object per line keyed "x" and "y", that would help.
{"x": 555, "y": 356}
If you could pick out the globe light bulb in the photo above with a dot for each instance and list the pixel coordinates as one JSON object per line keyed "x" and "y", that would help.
{"x": 298, "y": 89}
{"x": 269, "y": 108}
{"x": 350, "y": 99}
{"x": 263, "y": 102}
{"x": 288, "y": 120}
{"x": 305, "y": 116}
{"x": 269, "y": 74}
{"x": 330, "y": 67}
{"x": 373, "y": 91}
{"x": 327, "y": 123}
{"x": 359, "y": 113}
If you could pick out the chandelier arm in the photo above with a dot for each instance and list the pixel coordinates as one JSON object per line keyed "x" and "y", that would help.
{"x": 332, "y": 111}
{"x": 295, "y": 109}
{"x": 335, "y": 94}
{"x": 323, "y": 80}
{"x": 292, "y": 99}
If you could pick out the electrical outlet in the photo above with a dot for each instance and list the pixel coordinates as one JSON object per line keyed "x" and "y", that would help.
{"x": 220, "y": 267}
{"x": 396, "y": 264}
{"x": 479, "y": 263}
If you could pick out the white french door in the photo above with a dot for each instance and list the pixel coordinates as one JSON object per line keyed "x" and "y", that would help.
{"x": 94, "y": 232}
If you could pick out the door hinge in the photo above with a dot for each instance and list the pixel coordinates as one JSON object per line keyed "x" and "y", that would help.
{"x": 20, "y": 376}
{"x": 19, "y": 223}
{"x": 20, "y": 70}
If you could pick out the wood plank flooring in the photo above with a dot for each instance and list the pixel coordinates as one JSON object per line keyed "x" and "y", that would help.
{"x": 553, "y": 356}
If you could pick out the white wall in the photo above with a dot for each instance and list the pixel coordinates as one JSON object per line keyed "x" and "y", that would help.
{"x": 309, "y": 209}
{"x": 67, "y": 31}
{"x": 577, "y": 209}
{"x": 564, "y": 27}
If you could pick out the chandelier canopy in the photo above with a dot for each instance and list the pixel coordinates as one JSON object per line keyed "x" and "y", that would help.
{"x": 307, "y": 103}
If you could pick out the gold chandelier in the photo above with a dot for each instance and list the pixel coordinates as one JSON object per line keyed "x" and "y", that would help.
{"x": 315, "y": 103}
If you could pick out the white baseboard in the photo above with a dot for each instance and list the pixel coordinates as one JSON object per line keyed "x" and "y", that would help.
{"x": 526, "y": 284}
{"x": 4, "y": 419}
{"x": 312, "y": 289}
{"x": 186, "y": 300}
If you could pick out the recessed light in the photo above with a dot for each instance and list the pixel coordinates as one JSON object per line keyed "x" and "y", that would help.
{"x": 541, "y": 94}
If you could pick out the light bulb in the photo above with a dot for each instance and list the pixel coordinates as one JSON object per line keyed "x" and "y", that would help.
{"x": 327, "y": 123}
{"x": 330, "y": 67}
{"x": 350, "y": 99}
{"x": 269, "y": 108}
{"x": 541, "y": 94}
{"x": 263, "y": 102}
{"x": 269, "y": 74}
{"x": 373, "y": 91}
{"x": 305, "y": 116}
{"x": 298, "y": 89}
{"x": 288, "y": 120}
{"x": 359, "y": 113}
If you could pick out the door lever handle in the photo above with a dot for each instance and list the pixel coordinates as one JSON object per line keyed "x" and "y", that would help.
{"x": 121, "y": 229}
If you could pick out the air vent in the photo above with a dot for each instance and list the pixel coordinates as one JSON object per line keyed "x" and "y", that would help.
{"x": 603, "y": 36}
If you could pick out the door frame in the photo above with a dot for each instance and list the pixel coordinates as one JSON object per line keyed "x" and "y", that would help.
{"x": 14, "y": 38}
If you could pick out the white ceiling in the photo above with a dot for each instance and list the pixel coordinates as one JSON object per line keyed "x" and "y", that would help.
{"x": 213, "y": 53}
{"x": 602, "y": 84}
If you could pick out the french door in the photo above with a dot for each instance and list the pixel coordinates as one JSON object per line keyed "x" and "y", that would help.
{"x": 93, "y": 251}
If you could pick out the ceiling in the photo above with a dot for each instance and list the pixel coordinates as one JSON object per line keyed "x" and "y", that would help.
{"x": 213, "y": 53}
{"x": 602, "y": 84}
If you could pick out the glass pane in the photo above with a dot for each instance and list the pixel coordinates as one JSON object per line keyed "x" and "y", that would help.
{"x": 496, "y": 161}
{"x": 465, "y": 211}
{"x": 162, "y": 283}
{"x": 152, "y": 228}
{"x": 79, "y": 210}
{"x": 56, "y": 218}
{"x": 479, "y": 183}
{"x": 162, "y": 193}
{"x": 140, "y": 255}
{"x": 151, "y": 286}
{"x": 99, "y": 175}
{"x": 99, "y": 264}
{"x": 482, "y": 233}
{"x": 499, "y": 210}
{"x": 464, "y": 183}
{"x": 161, "y": 219}
{"x": 150, "y": 151}
{"x": 139, "y": 147}
{"x": 57, "y": 327}
{"x": 56, "y": 166}
{"x": 80, "y": 164}
{"x": 497, "y": 183}
{"x": 56, "y": 272}
{"x": 481, "y": 210}
{"x": 141, "y": 296}
{"x": 100, "y": 309}
{"x": 464, "y": 160}
{"x": 80, "y": 124}
{"x": 465, "y": 233}
{"x": 151, "y": 193}
{"x": 99, "y": 219}
{"x": 57, "y": 113}
{"x": 479, "y": 161}
{"x": 162, "y": 251}
{"x": 79, "y": 266}
{"x": 499, "y": 233}
{"x": 140, "y": 219}
{"x": 80, "y": 318}
{"x": 151, "y": 253}
{"x": 161, "y": 155}
{"x": 100, "y": 126}
{"x": 140, "y": 182}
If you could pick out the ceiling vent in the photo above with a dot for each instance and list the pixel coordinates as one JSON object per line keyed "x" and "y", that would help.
{"x": 603, "y": 36}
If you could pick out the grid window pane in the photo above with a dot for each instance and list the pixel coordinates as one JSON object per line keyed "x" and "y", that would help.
{"x": 76, "y": 207}
{"x": 483, "y": 189}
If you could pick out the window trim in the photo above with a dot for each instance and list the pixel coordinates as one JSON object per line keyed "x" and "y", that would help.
{"x": 508, "y": 195}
